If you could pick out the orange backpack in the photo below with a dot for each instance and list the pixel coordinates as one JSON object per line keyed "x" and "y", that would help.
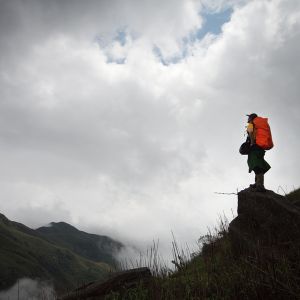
{"x": 263, "y": 137}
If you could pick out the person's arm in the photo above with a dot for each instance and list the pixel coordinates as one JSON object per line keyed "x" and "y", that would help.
{"x": 250, "y": 130}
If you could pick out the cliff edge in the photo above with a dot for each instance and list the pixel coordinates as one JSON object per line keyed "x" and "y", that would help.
{"x": 266, "y": 221}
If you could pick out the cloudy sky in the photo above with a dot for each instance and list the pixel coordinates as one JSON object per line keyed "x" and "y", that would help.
{"x": 125, "y": 117}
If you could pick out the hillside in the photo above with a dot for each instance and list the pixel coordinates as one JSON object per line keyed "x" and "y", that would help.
{"x": 91, "y": 246}
{"x": 255, "y": 256}
{"x": 294, "y": 197}
{"x": 25, "y": 252}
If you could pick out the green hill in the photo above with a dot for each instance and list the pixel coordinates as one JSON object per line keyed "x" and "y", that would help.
{"x": 91, "y": 246}
{"x": 25, "y": 252}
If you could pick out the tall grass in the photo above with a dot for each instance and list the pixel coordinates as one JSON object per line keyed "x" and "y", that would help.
{"x": 150, "y": 259}
{"x": 217, "y": 271}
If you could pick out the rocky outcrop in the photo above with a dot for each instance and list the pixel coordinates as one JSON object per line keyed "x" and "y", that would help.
{"x": 266, "y": 221}
{"x": 117, "y": 282}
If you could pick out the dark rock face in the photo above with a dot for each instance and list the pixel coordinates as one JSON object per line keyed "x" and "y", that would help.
{"x": 267, "y": 221}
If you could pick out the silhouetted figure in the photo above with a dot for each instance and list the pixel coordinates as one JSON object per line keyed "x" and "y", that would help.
{"x": 260, "y": 137}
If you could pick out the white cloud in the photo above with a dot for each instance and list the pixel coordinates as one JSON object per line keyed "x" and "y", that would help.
{"x": 140, "y": 145}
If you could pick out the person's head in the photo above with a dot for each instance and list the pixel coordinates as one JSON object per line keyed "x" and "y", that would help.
{"x": 251, "y": 117}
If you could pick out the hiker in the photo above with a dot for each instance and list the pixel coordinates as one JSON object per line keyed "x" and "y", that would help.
{"x": 260, "y": 137}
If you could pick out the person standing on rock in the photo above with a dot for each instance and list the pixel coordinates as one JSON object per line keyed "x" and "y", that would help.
{"x": 260, "y": 137}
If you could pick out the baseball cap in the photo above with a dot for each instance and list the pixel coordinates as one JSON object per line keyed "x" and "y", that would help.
{"x": 251, "y": 116}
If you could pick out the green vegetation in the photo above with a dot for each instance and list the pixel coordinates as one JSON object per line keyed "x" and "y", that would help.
{"x": 91, "y": 246}
{"x": 294, "y": 197}
{"x": 221, "y": 270}
{"x": 24, "y": 253}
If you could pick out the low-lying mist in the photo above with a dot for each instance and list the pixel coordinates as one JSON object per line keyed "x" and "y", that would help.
{"x": 26, "y": 288}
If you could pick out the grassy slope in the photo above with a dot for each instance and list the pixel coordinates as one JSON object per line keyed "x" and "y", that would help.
{"x": 217, "y": 273}
{"x": 91, "y": 246}
{"x": 24, "y": 254}
{"x": 294, "y": 197}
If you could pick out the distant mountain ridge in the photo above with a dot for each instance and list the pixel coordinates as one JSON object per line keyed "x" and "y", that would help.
{"x": 91, "y": 246}
{"x": 59, "y": 253}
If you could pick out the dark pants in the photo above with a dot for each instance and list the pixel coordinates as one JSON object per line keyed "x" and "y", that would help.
{"x": 256, "y": 161}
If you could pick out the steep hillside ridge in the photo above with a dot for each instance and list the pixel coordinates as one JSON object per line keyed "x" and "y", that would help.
{"x": 18, "y": 226}
{"x": 95, "y": 247}
{"x": 294, "y": 197}
{"x": 24, "y": 253}
{"x": 255, "y": 256}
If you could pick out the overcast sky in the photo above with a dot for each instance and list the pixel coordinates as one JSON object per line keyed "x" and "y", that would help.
{"x": 125, "y": 117}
